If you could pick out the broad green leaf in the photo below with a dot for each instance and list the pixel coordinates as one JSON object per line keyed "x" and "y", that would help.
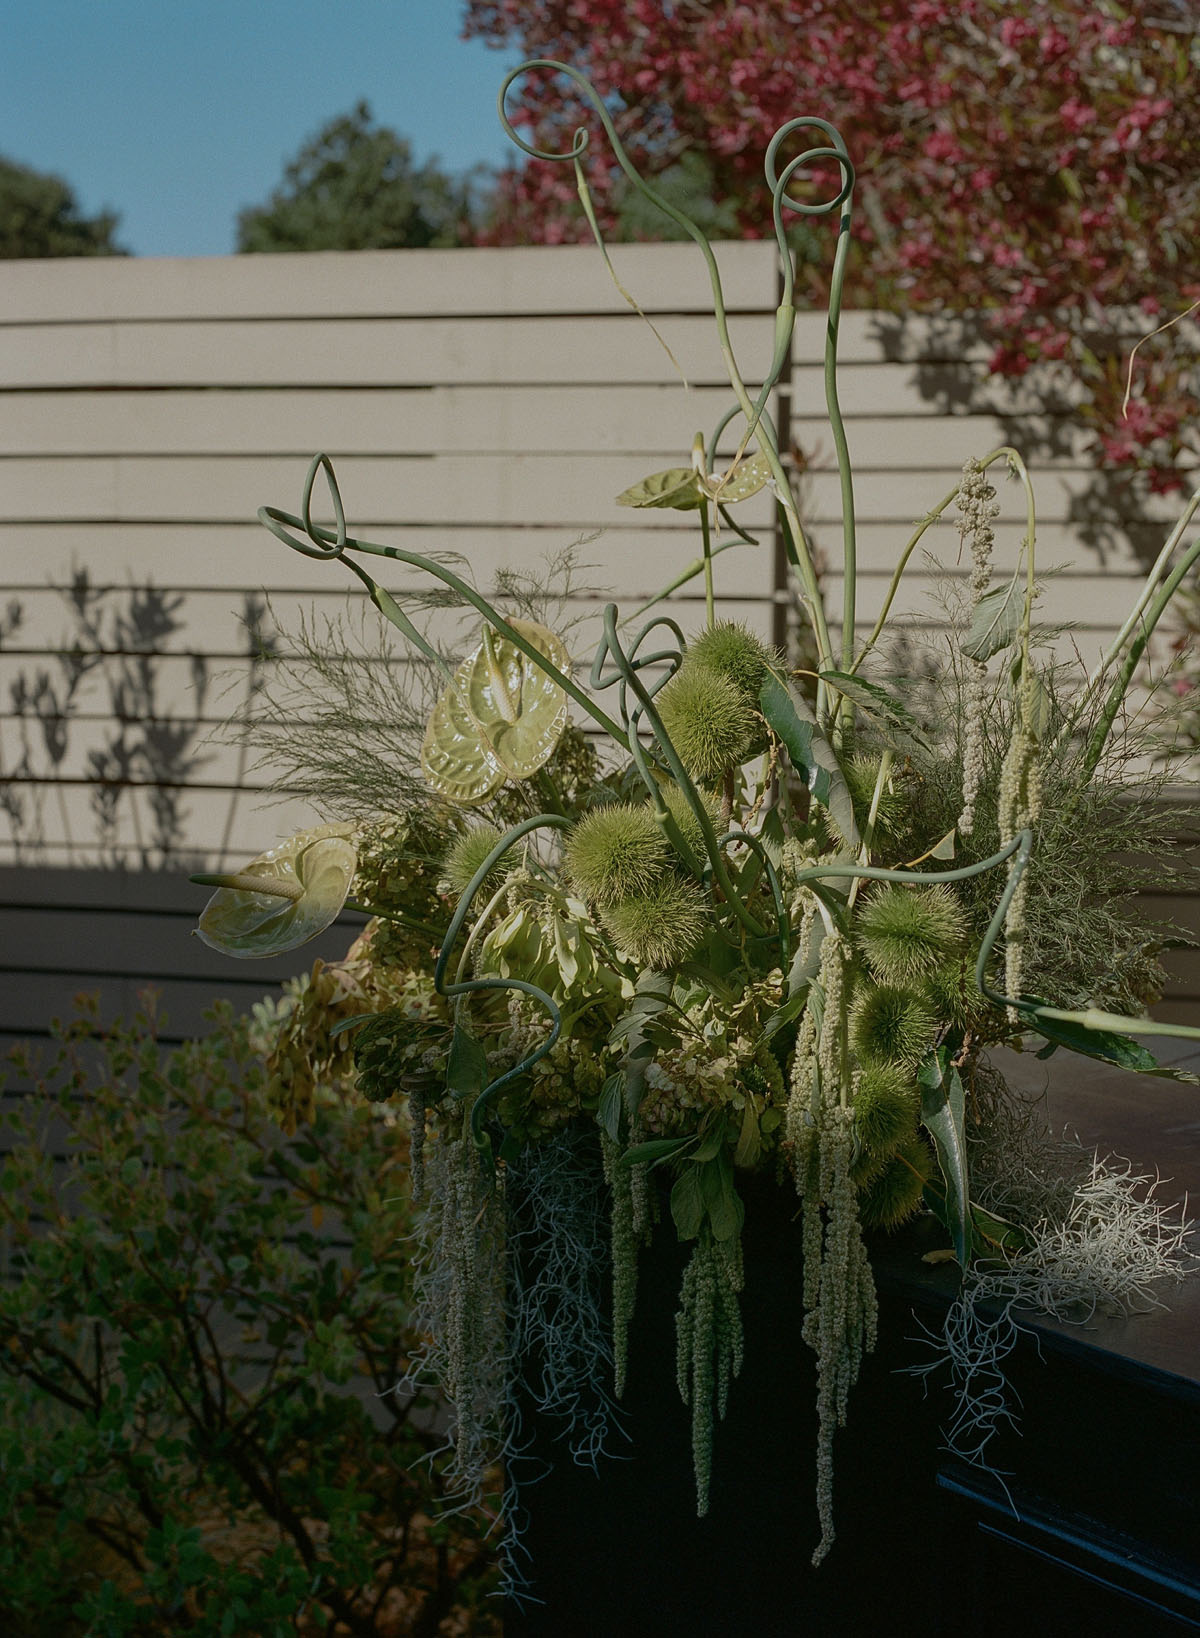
{"x": 786, "y": 1013}
{"x": 943, "y": 1116}
{"x": 749, "y": 477}
{"x": 788, "y": 714}
{"x": 687, "y": 1201}
{"x": 1106, "y": 1045}
{"x": 996, "y": 621}
{"x": 890, "y": 717}
{"x": 678, "y": 489}
{"x": 466, "y": 1066}
{"x": 634, "y": 1029}
{"x": 945, "y": 848}
{"x": 499, "y": 718}
{"x": 712, "y": 1142}
{"x": 654, "y": 1150}
{"x": 749, "y": 1143}
{"x": 989, "y": 1233}
{"x": 726, "y": 1213}
{"x": 321, "y": 863}
{"x": 608, "y": 1111}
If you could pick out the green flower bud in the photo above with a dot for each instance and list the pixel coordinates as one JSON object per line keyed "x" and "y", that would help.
{"x": 906, "y": 933}
{"x": 894, "y": 1193}
{"x": 467, "y": 854}
{"x": 617, "y": 853}
{"x": 886, "y": 1104}
{"x": 893, "y": 1024}
{"x": 709, "y": 722}
{"x": 661, "y": 927}
{"x": 735, "y": 653}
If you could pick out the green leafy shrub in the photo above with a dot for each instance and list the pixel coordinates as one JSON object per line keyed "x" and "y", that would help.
{"x": 200, "y": 1327}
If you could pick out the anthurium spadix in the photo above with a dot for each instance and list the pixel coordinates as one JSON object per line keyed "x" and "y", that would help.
{"x": 284, "y": 897}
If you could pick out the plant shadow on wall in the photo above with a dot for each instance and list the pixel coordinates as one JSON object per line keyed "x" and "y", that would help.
{"x": 637, "y": 938}
{"x": 202, "y": 1322}
{"x": 1048, "y": 405}
{"x": 101, "y": 716}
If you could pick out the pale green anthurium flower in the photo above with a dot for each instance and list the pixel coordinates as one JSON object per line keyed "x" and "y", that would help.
{"x": 306, "y": 881}
{"x": 500, "y": 717}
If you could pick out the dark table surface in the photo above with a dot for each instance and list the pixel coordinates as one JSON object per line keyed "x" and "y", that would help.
{"x": 1152, "y": 1123}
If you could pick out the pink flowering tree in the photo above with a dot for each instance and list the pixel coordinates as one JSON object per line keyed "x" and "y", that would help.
{"x": 1033, "y": 161}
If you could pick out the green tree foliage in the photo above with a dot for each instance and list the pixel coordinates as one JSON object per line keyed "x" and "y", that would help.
{"x": 40, "y": 216}
{"x": 201, "y": 1325}
{"x": 355, "y": 187}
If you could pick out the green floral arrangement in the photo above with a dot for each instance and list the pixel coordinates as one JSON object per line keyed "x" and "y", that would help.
{"x": 718, "y": 911}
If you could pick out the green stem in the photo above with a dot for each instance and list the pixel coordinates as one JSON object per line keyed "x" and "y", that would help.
{"x": 1150, "y": 598}
{"x": 1099, "y": 735}
{"x": 279, "y": 522}
{"x": 881, "y": 778}
{"x": 611, "y": 645}
{"x": 798, "y": 548}
{"x": 710, "y": 604}
{"x": 914, "y": 540}
{"x": 690, "y": 573}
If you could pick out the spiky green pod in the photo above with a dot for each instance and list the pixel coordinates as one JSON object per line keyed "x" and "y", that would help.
{"x": 894, "y": 1193}
{"x": 886, "y": 1106}
{"x": 862, "y": 774}
{"x": 906, "y": 933}
{"x": 732, "y": 651}
{"x": 467, "y": 854}
{"x": 711, "y": 724}
{"x": 954, "y": 994}
{"x": 662, "y": 926}
{"x": 617, "y": 853}
{"x": 891, "y": 1023}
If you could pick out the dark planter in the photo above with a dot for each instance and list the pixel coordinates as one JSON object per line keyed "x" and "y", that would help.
{"x": 621, "y": 1551}
{"x": 1095, "y": 1528}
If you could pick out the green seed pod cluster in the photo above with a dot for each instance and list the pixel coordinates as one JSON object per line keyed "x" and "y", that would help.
{"x": 662, "y": 926}
{"x": 735, "y": 653}
{"x": 710, "y": 707}
{"x": 466, "y": 855}
{"x": 709, "y": 723}
{"x": 907, "y": 933}
{"x": 956, "y": 998}
{"x": 894, "y": 1193}
{"x": 617, "y": 853}
{"x": 886, "y": 1105}
{"x": 892, "y": 1023}
{"x": 619, "y": 858}
{"x": 892, "y": 816}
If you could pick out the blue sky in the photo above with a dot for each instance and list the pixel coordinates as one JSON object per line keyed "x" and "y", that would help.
{"x": 176, "y": 113}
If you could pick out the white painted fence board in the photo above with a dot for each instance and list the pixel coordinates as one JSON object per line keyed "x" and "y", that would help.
{"x": 382, "y": 283}
{"x": 623, "y": 555}
{"x": 653, "y": 422}
{"x": 376, "y": 489}
{"x": 388, "y": 352}
{"x": 918, "y": 441}
{"x": 213, "y": 620}
{"x": 874, "y": 388}
{"x": 458, "y": 489}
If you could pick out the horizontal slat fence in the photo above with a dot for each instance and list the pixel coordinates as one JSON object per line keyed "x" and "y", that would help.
{"x": 484, "y": 403}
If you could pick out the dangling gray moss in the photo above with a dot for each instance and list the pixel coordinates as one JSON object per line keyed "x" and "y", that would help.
{"x": 510, "y": 1281}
